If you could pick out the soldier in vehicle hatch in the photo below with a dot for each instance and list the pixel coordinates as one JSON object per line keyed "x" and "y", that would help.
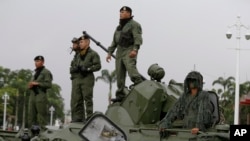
{"x": 193, "y": 107}
{"x": 127, "y": 39}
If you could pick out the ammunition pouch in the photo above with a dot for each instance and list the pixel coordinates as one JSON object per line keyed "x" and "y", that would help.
{"x": 85, "y": 73}
{"x": 82, "y": 69}
{"x": 36, "y": 89}
{"x": 126, "y": 39}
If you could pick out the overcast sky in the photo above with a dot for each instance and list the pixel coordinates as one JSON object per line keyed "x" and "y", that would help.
{"x": 179, "y": 35}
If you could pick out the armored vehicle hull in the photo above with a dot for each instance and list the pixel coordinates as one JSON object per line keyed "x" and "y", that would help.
{"x": 136, "y": 118}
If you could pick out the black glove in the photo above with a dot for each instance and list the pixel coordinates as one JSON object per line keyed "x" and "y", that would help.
{"x": 35, "y": 89}
{"x": 163, "y": 125}
{"x": 83, "y": 69}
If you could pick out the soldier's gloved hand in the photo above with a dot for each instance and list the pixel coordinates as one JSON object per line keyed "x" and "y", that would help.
{"x": 162, "y": 128}
{"x": 83, "y": 69}
{"x": 163, "y": 133}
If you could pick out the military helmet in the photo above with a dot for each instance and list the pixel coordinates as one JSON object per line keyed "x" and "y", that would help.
{"x": 193, "y": 80}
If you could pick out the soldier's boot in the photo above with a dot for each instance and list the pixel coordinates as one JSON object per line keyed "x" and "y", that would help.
{"x": 136, "y": 80}
{"x": 35, "y": 130}
{"x": 119, "y": 95}
{"x": 118, "y": 99}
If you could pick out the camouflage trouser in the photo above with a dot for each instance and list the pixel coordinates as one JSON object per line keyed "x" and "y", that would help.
{"x": 38, "y": 109}
{"x": 123, "y": 65}
{"x": 81, "y": 96}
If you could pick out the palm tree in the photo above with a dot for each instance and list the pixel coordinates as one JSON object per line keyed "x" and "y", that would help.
{"x": 227, "y": 84}
{"x": 108, "y": 78}
{"x": 15, "y": 84}
{"x": 245, "y": 88}
{"x": 226, "y": 95}
{"x": 55, "y": 99}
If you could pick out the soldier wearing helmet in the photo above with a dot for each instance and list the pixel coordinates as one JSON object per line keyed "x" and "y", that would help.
{"x": 193, "y": 107}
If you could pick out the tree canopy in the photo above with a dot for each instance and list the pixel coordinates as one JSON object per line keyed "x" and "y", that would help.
{"x": 14, "y": 83}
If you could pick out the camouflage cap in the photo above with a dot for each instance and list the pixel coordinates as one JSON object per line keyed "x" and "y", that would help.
{"x": 39, "y": 57}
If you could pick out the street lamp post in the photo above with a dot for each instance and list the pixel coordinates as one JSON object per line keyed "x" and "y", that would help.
{"x": 5, "y": 97}
{"x": 1, "y": 82}
{"x": 51, "y": 109}
{"x": 238, "y": 25}
{"x": 65, "y": 117}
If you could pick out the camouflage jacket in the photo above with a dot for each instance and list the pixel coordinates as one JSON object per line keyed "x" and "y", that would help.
{"x": 201, "y": 115}
{"x": 130, "y": 36}
{"x": 90, "y": 60}
{"x": 44, "y": 79}
{"x": 74, "y": 64}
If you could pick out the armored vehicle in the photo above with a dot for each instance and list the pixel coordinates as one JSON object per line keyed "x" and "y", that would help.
{"x": 135, "y": 118}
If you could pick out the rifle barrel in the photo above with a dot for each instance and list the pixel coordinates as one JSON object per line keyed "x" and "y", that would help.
{"x": 97, "y": 43}
{"x": 105, "y": 49}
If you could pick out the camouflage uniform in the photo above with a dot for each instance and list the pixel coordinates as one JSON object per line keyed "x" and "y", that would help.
{"x": 83, "y": 84}
{"x": 195, "y": 111}
{"x": 38, "y": 99}
{"x": 126, "y": 38}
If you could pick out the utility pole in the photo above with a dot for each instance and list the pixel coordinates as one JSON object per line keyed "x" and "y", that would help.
{"x": 16, "y": 115}
{"x": 238, "y": 25}
{"x": 5, "y": 97}
{"x": 51, "y": 109}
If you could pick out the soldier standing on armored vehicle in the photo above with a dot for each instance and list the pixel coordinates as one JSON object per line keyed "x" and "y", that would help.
{"x": 74, "y": 69}
{"x": 193, "y": 107}
{"x": 42, "y": 80}
{"x": 86, "y": 62}
{"x": 127, "y": 39}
